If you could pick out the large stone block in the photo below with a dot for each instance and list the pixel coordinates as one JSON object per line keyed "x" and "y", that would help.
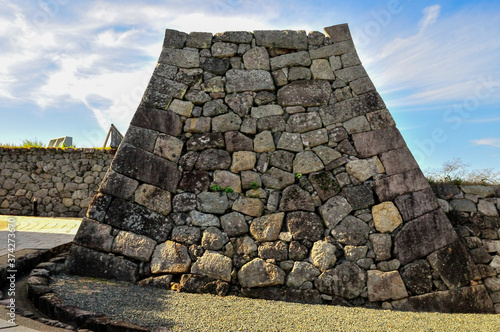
{"x": 94, "y": 235}
{"x": 417, "y": 277}
{"x": 351, "y": 108}
{"x": 277, "y": 179}
{"x": 386, "y": 217}
{"x": 213, "y": 265}
{"x": 142, "y": 138}
{"x": 305, "y": 93}
{"x": 154, "y": 198}
{"x": 135, "y": 246}
{"x": 305, "y": 226}
{"x": 238, "y": 80}
{"x": 170, "y": 257}
{"x": 334, "y": 210}
{"x": 295, "y": 198}
{"x": 423, "y": 236}
{"x": 213, "y": 159}
{"x": 165, "y": 122}
{"x": 288, "y": 39}
{"x": 259, "y": 273}
{"x": 291, "y": 60}
{"x": 174, "y": 38}
{"x": 398, "y": 161}
{"x": 387, "y": 189}
{"x": 301, "y": 272}
{"x": 351, "y": 231}
{"x": 200, "y": 142}
{"x": 267, "y": 228}
{"x": 385, "y": 286}
{"x": 415, "y": 204}
{"x": 325, "y": 184}
{"x": 180, "y": 58}
{"x": 323, "y": 255}
{"x": 371, "y": 143}
{"x": 346, "y": 280}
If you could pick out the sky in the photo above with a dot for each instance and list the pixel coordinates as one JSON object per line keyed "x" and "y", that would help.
{"x": 71, "y": 68}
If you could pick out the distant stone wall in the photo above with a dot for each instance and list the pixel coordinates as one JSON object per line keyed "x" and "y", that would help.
{"x": 63, "y": 180}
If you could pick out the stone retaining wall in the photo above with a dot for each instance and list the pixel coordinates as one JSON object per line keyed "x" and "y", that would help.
{"x": 62, "y": 180}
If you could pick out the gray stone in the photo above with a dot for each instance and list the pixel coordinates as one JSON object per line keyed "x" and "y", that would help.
{"x": 226, "y": 180}
{"x": 324, "y": 52}
{"x": 287, "y": 39}
{"x": 360, "y": 197}
{"x": 481, "y": 191}
{"x": 118, "y": 185}
{"x": 346, "y": 280}
{"x": 290, "y": 60}
{"x": 363, "y": 169}
{"x": 417, "y": 277}
{"x": 216, "y": 66}
{"x": 386, "y": 217}
{"x": 199, "y": 142}
{"x": 304, "y": 122}
{"x": 213, "y": 159}
{"x": 249, "y": 126}
{"x": 393, "y": 186}
{"x": 214, "y": 85}
{"x": 315, "y": 138}
{"x": 180, "y": 58}
{"x": 199, "y": 40}
{"x": 240, "y": 103}
{"x": 165, "y": 71}
{"x": 273, "y": 250}
{"x": 168, "y": 147}
{"x": 186, "y": 234}
{"x": 323, "y": 255}
{"x": 371, "y": 143}
{"x": 226, "y": 122}
{"x": 174, "y": 38}
{"x": 380, "y": 119}
{"x": 299, "y": 73}
{"x": 236, "y": 141}
{"x": 238, "y": 37}
{"x": 198, "y": 125}
{"x": 352, "y": 108}
{"x": 277, "y": 179}
{"x": 382, "y": 245}
{"x": 357, "y": 125}
{"x": 188, "y": 77}
{"x": 480, "y": 255}
{"x": 234, "y": 224}
{"x": 213, "y": 265}
{"x": 203, "y": 220}
{"x": 154, "y": 198}
{"x": 157, "y": 282}
{"x": 213, "y": 202}
{"x": 355, "y": 253}
{"x": 492, "y": 245}
{"x": 350, "y": 74}
{"x": 264, "y": 142}
{"x": 282, "y": 159}
{"x": 385, "y": 286}
{"x": 259, "y": 273}
{"x": 213, "y": 239}
{"x": 415, "y": 204}
{"x": 334, "y": 210}
{"x": 321, "y": 70}
{"x": 170, "y": 257}
{"x": 274, "y": 124}
{"x": 94, "y": 235}
{"x": 267, "y": 228}
{"x": 256, "y": 58}
{"x": 305, "y": 93}
{"x": 224, "y": 50}
{"x": 244, "y": 245}
{"x": 326, "y": 154}
{"x": 214, "y": 108}
{"x": 463, "y": 205}
{"x": 301, "y": 273}
{"x": 307, "y": 162}
{"x": 351, "y": 231}
{"x": 243, "y": 160}
{"x": 487, "y": 208}
{"x": 290, "y": 142}
{"x": 315, "y": 38}
{"x": 398, "y": 161}
{"x": 249, "y": 206}
{"x": 266, "y": 110}
{"x": 163, "y": 121}
{"x": 142, "y": 138}
{"x": 325, "y": 185}
{"x": 422, "y": 236}
{"x": 248, "y": 80}
{"x": 134, "y": 246}
{"x": 294, "y": 198}
{"x": 195, "y": 181}
{"x": 492, "y": 284}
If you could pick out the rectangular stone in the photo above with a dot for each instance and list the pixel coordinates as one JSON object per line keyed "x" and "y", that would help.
{"x": 338, "y": 33}
{"x": 351, "y": 108}
{"x": 174, "y": 38}
{"x": 266, "y": 110}
{"x": 352, "y": 73}
{"x": 238, "y": 80}
{"x": 163, "y": 121}
{"x": 288, "y": 39}
{"x": 146, "y": 167}
{"x": 291, "y": 60}
{"x": 393, "y": 186}
{"x": 398, "y": 161}
{"x": 166, "y": 87}
{"x": 372, "y": 143}
{"x": 141, "y": 138}
{"x": 94, "y": 235}
{"x": 415, "y": 204}
{"x": 305, "y": 93}
{"x": 180, "y": 58}
{"x": 238, "y": 37}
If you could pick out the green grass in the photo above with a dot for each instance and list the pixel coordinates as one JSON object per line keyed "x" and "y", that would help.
{"x": 27, "y": 143}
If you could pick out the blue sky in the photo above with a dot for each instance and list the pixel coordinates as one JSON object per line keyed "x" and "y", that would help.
{"x": 71, "y": 68}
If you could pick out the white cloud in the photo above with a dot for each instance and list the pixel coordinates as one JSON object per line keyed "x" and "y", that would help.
{"x": 495, "y": 142}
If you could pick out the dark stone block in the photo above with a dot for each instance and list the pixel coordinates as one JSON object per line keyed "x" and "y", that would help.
{"x": 473, "y": 299}
{"x": 360, "y": 197}
{"x": 387, "y": 189}
{"x": 297, "y": 251}
{"x": 136, "y": 218}
{"x": 337, "y": 134}
{"x": 174, "y": 38}
{"x": 195, "y": 181}
{"x": 72, "y": 315}
{"x": 36, "y": 291}
{"x": 216, "y": 66}
{"x": 346, "y": 147}
{"x": 236, "y": 141}
{"x": 371, "y": 143}
{"x": 398, "y": 161}
{"x": 155, "y": 100}
{"x": 98, "y": 207}
{"x": 90, "y": 263}
{"x": 295, "y": 198}
{"x": 94, "y": 235}
{"x": 325, "y": 185}
{"x": 415, "y": 204}
{"x": 188, "y": 160}
{"x": 306, "y": 93}
{"x": 446, "y": 191}
{"x": 486, "y": 271}
{"x": 118, "y": 185}
{"x": 338, "y": 33}
{"x": 480, "y": 255}
{"x": 274, "y": 123}
{"x": 454, "y": 265}
{"x": 120, "y": 326}
{"x": 185, "y": 202}
{"x": 422, "y": 236}
{"x": 147, "y": 167}
{"x": 351, "y": 108}
{"x": 305, "y": 226}
{"x": 346, "y": 280}
{"x": 283, "y": 294}
{"x": 193, "y": 283}
{"x": 200, "y": 142}
{"x": 165, "y": 122}
{"x": 273, "y": 250}
{"x": 142, "y": 138}
{"x": 417, "y": 277}
{"x": 282, "y": 159}
{"x": 213, "y": 159}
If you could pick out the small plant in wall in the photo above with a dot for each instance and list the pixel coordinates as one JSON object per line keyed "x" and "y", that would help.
{"x": 216, "y": 187}
{"x": 254, "y": 185}
{"x": 298, "y": 176}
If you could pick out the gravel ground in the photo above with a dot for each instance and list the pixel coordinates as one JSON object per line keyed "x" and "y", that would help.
{"x": 194, "y": 312}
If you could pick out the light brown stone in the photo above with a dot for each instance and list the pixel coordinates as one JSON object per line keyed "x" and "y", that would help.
{"x": 386, "y": 217}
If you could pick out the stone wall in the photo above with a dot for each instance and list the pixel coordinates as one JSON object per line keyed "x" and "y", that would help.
{"x": 62, "y": 180}
{"x": 265, "y": 164}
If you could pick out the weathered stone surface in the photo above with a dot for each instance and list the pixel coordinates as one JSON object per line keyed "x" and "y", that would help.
{"x": 244, "y": 245}
{"x": 374, "y": 142}
{"x": 216, "y": 202}
{"x": 464, "y": 300}
{"x": 379, "y": 119}
{"x": 240, "y": 103}
{"x": 422, "y": 236}
{"x": 307, "y": 162}
{"x": 357, "y": 125}
{"x": 153, "y": 170}
{"x": 382, "y": 245}
{"x": 273, "y": 250}
{"x": 360, "y": 197}
{"x": 290, "y": 142}
{"x": 249, "y": 206}
{"x": 195, "y": 181}
{"x": 346, "y": 280}
{"x": 199, "y": 142}
{"x": 454, "y": 265}
{"x": 198, "y": 125}
{"x": 352, "y": 231}
{"x": 385, "y": 286}
{"x": 304, "y": 226}
{"x": 214, "y": 108}
{"x": 266, "y": 110}
{"x": 142, "y": 138}
{"x": 301, "y": 272}
{"x": 326, "y": 154}
{"x": 226, "y": 122}
{"x": 363, "y": 169}
{"x": 135, "y": 218}
{"x": 487, "y": 208}
{"x": 196, "y": 283}
{"x": 480, "y": 255}
{"x": 214, "y": 85}
{"x": 277, "y": 179}
{"x": 305, "y": 93}
{"x": 417, "y": 277}
{"x": 299, "y": 73}
{"x": 352, "y": 108}
{"x": 216, "y": 66}
{"x": 290, "y": 60}
{"x": 174, "y": 38}
{"x": 351, "y": 73}
{"x": 118, "y": 185}
{"x": 199, "y": 40}
{"x": 492, "y": 245}
{"x": 315, "y": 138}
{"x": 325, "y": 184}
{"x": 248, "y": 80}
{"x": 186, "y": 234}
{"x": 234, "y": 224}
{"x": 288, "y": 39}
{"x": 386, "y": 217}
{"x": 94, "y": 235}
{"x": 213, "y": 265}
{"x": 236, "y": 141}
{"x": 226, "y": 180}
{"x": 168, "y": 147}
{"x": 334, "y": 210}
{"x": 165, "y": 71}
{"x": 295, "y": 198}
{"x": 267, "y": 228}
{"x": 134, "y": 246}
{"x": 393, "y": 186}
{"x": 256, "y": 58}
{"x": 204, "y": 220}
{"x": 415, "y": 204}
{"x": 157, "y": 282}
{"x": 492, "y": 284}
{"x": 398, "y": 161}
{"x": 355, "y": 253}
{"x": 154, "y": 198}
{"x": 238, "y": 37}
{"x": 213, "y": 239}
{"x": 323, "y": 255}
{"x": 243, "y": 160}
{"x": 321, "y": 70}
{"x": 224, "y": 50}
{"x": 282, "y": 159}
{"x": 170, "y": 257}
{"x": 180, "y": 58}
{"x": 197, "y": 97}
{"x": 481, "y": 191}
{"x": 259, "y": 273}
{"x": 264, "y": 142}
{"x": 213, "y": 159}
{"x": 463, "y": 205}
{"x": 274, "y": 123}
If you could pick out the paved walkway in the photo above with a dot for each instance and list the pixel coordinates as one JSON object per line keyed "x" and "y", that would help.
{"x": 33, "y": 233}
